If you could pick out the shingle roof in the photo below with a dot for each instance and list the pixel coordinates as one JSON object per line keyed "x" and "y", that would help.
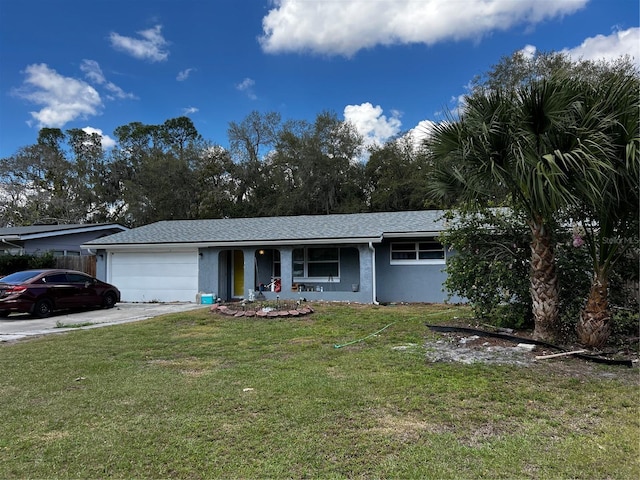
{"x": 341, "y": 227}
{"x": 34, "y": 230}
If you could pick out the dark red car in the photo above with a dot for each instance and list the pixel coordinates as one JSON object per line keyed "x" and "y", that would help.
{"x": 40, "y": 292}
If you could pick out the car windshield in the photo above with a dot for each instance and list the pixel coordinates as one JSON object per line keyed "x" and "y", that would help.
{"x": 20, "y": 277}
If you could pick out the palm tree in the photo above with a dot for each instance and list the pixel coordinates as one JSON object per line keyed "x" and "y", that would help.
{"x": 534, "y": 147}
{"x": 611, "y": 224}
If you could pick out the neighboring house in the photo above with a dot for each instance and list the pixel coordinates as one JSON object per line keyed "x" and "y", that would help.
{"x": 366, "y": 258}
{"x": 61, "y": 240}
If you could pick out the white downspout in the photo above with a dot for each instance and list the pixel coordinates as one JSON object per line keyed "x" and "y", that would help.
{"x": 373, "y": 273}
{"x": 6, "y": 242}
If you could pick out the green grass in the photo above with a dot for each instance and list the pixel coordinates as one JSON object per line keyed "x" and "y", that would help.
{"x": 197, "y": 395}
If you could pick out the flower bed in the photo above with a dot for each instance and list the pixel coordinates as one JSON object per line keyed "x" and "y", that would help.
{"x": 261, "y": 311}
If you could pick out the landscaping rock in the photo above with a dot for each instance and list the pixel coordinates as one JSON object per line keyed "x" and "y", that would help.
{"x": 261, "y": 312}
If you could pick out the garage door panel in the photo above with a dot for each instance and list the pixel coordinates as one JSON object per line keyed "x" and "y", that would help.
{"x": 155, "y": 276}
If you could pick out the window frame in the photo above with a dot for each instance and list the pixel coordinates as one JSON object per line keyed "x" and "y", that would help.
{"x": 276, "y": 263}
{"x": 306, "y": 261}
{"x": 418, "y": 248}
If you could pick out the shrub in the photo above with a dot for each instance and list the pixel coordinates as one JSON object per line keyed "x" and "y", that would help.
{"x": 573, "y": 265}
{"x": 489, "y": 266}
{"x": 15, "y": 263}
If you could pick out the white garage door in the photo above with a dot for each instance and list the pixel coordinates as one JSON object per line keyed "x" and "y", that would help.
{"x": 155, "y": 276}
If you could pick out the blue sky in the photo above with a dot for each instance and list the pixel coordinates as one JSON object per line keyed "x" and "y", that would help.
{"x": 388, "y": 66}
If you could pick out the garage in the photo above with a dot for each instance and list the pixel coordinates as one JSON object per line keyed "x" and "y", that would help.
{"x": 160, "y": 276}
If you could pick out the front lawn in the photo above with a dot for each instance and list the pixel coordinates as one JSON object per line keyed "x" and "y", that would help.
{"x": 201, "y": 395}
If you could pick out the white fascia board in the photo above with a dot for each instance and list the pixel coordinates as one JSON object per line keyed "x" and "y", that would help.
{"x": 231, "y": 245}
{"x": 431, "y": 233}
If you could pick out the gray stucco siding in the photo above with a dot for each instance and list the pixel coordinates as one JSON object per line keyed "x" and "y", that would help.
{"x": 208, "y": 268}
{"x": 410, "y": 283}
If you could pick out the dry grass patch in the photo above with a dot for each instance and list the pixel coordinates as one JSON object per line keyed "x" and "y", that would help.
{"x": 407, "y": 427}
{"x": 189, "y": 366}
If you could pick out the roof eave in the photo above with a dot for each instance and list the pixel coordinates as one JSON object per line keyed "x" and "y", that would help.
{"x": 72, "y": 231}
{"x": 230, "y": 244}
{"x": 422, "y": 233}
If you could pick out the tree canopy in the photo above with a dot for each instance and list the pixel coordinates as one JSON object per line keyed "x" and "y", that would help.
{"x": 169, "y": 171}
{"x": 555, "y": 141}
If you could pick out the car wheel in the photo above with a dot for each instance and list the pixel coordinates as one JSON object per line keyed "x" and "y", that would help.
{"x": 43, "y": 308}
{"x": 109, "y": 300}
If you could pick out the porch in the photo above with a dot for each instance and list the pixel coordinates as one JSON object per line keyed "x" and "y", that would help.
{"x": 319, "y": 272}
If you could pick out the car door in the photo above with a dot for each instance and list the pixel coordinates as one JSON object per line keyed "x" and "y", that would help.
{"x": 59, "y": 290}
{"x": 84, "y": 288}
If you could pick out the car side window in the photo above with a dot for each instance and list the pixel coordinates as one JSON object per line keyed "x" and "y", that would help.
{"x": 55, "y": 278}
{"x": 78, "y": 278}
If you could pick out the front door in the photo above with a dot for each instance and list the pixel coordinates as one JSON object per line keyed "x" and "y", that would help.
{"x": 238, "y": 273}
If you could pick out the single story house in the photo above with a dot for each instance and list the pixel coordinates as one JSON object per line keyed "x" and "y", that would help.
{"x": 61, "y": 240}
{"x": 365, "y": 257}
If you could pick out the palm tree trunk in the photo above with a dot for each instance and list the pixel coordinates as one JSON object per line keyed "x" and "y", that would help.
{"x": 593, "y": 326}
{"x": 544, "y": 283}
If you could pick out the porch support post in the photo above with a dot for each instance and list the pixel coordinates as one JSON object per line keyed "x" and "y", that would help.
{"x": 367, "y": 273}
{"x": 249, "y": 270}
{"x": 286, "y": 269}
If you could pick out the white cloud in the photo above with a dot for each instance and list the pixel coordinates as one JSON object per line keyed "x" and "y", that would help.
{"x": 609, "y": 47}
{"x": 152, "y": 45}
{"x": 93, "y": 72}
{"x": 184, "y": 74}
{"x": 420, "y": 132}
{"x": 190, "y": 110}
{"x": 369, "y": 121}
{"x": 63, "y": 98}
{"x": 347, "y": 26}
{"x": 246, "y": 86}
{"x": 117, "y": 92}
{"x": 529, "y": 51}
{"x": 106, "y": 140}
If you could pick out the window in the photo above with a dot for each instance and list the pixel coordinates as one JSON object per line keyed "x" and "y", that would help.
{"x": 428, "y": 251}
{"x": 55, "y": 278}
{"x": 66, "y": 253}
{"x": 78, "y": 278}
{"x": 320, "y": 264}
{"x": 275, "y": 269}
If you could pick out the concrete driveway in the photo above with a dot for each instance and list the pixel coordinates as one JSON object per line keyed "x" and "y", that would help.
{"x": 18, "y": 326}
